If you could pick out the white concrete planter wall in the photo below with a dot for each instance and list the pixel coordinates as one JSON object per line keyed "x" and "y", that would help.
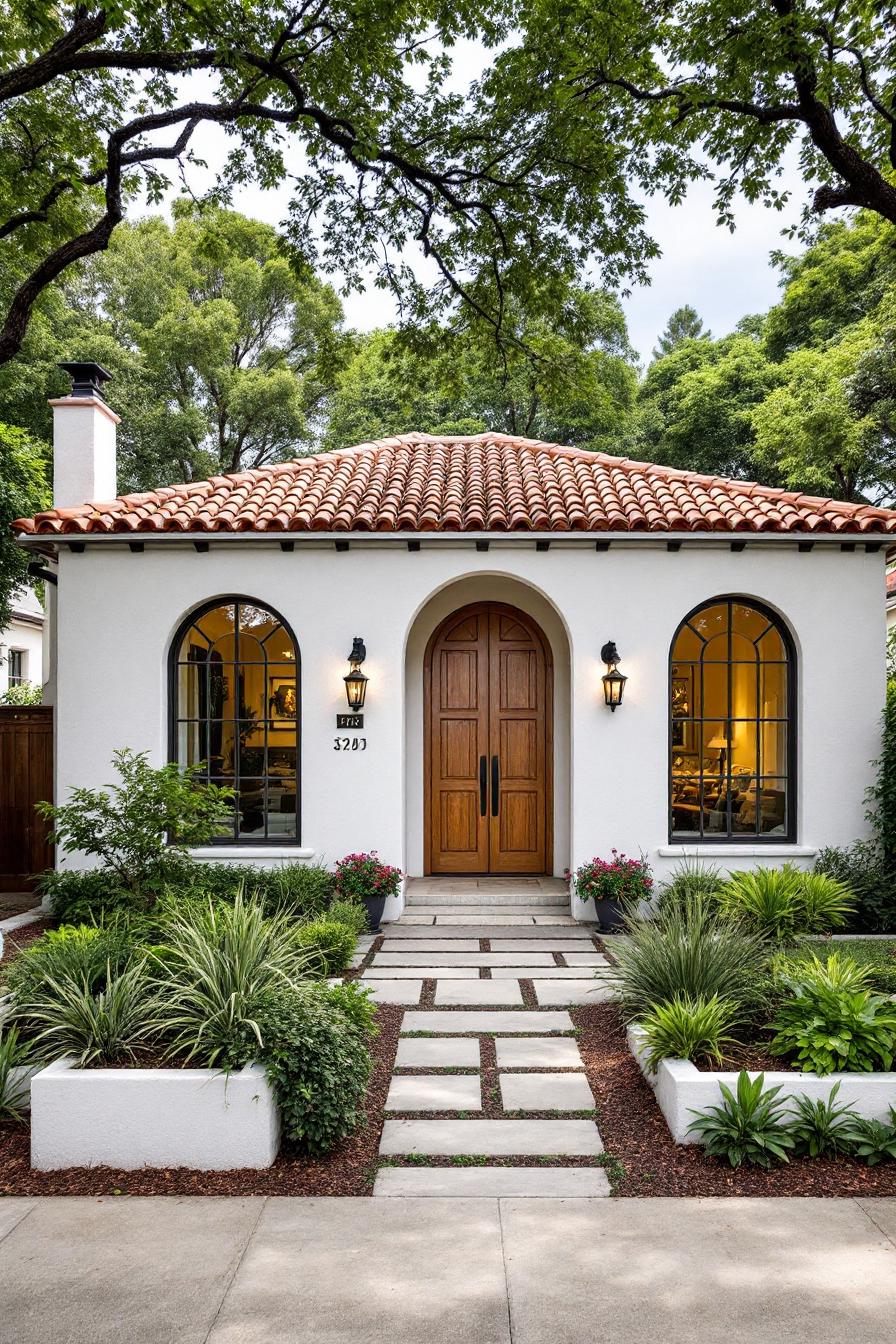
{"x": 682, "y": 1088}
{"x": 133, "y": 1118}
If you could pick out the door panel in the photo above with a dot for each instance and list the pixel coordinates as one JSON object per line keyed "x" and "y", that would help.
{"x": 517, "y": 720}
{"x": 488, "y": 706}
{"x": 458, "y": 738}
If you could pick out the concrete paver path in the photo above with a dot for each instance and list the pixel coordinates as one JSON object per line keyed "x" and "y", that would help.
{"x": 439, "y": 1270}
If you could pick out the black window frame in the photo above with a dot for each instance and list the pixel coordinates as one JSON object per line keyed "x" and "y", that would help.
{"x": 237, "y": 600}
{"x": 790, "y": 719}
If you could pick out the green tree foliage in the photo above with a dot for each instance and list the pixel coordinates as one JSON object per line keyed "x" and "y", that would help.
{"x": 685, "y": 324}
{"x": 23, "y": 490}
{"x": 353, "y": 106}
{"x": 222, "y": 350}
{"x": 804, "y": 397}
{"x": 714, "y": 88}
{"x": 695, "y": 406}
{"x": 567, "y": 375}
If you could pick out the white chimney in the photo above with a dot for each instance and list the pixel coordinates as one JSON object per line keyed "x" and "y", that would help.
{"x": 84, "y": 465}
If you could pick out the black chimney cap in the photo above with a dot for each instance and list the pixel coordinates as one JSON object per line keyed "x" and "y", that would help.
{"x": 87, "y": 379}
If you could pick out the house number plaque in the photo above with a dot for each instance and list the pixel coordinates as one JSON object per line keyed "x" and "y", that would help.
{"x": 349, "y": 720}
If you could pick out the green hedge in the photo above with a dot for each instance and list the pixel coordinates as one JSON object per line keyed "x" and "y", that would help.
{"x": 301, "y": 889}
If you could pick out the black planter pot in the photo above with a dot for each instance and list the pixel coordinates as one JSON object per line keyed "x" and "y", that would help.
{"x": 610, "y": 915}
{"x": 374, "y": 905}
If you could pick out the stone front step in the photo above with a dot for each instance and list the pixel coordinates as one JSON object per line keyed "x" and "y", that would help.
{"x": 509, "y": 1022}
{"x": 568, "y": 932}
{"x": 500, "y": 1182}
{"x": 491, "y": 1138}
{"x": 523, "y": 912}
{"x": 512, "y": 896}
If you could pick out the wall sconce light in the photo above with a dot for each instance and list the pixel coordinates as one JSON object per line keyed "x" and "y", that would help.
{"x": 355, "y": 680}
{"x": 613, "y": 679}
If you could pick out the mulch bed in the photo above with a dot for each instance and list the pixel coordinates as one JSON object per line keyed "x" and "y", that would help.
{"x": 348, "y": 1170}
{"x": 16, "y": 939}
{"x": 649, "y": 1163}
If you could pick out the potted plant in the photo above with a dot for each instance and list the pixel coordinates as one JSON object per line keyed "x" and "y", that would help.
{"x": 615, "y": 886}
{"x": 365, "y": 878}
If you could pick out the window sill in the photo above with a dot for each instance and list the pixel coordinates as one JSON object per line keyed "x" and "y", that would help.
{"x": 252, "y": 852}
{"x": 733, "y": 851}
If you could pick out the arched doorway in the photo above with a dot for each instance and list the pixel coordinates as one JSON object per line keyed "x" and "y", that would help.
{"x": 488, "y": 729}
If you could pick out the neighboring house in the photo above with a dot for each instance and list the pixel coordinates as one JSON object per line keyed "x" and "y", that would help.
{"x": 21, "y": 643}
{"x": 487, "y": 580}
{"x": 891, "y": 599}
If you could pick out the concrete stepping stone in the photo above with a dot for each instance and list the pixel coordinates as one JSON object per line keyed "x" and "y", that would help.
{"x": 503, "y": 1023}
{"x": 464, "y": 958}
{"x": 450, "y": 993}
{"x": 437, "y": 1092}
{"x": 429, "y": 945}
{"x": 555, "y": 992}
{"x": 438, "y": 1053}
{"x": 546, "y": 1092}
{"x": 357, "y": 960}
{"x": 493, "y": 1182}
{"x": 586, "y": 959}
{"x": 379, "y": 972}
{"x": 394, "y": 991}
{"x": 542, "y": 972}
{"x": 539, "y": 945}
{"x": 493, "y": 1138}
{"x": 537, "y": 1052}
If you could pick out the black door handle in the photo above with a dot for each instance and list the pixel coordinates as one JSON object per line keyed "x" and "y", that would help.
{"x": 483, "y": 785}
{"x": 496, "y": 779}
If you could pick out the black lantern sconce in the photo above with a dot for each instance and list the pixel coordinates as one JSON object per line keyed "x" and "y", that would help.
{"x": 613, "y": 679}
{"x": 355, "y": 680}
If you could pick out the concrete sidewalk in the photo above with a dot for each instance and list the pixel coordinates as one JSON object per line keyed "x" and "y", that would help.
{"x": 423, "y": 1271}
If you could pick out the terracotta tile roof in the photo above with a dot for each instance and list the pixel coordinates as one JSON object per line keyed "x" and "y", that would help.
{"x": 483, "y": 483}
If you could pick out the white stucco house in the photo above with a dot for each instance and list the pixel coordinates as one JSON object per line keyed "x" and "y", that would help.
{"x": 486, "y": 580}
{"x": 21, "y": 643}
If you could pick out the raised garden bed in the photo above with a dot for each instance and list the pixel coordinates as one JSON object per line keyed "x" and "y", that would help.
{"x": 681, "y": 1088}
{"x": 136, "y": 1118}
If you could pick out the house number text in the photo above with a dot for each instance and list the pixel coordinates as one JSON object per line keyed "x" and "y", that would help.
{"x": 350, "y": 744}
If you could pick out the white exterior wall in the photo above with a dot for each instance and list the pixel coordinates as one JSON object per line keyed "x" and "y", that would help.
{"x": 27, "y": 635}
{"x": 118, "y": 612}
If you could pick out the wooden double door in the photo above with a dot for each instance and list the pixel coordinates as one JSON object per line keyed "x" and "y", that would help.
{"x": 26, "y": 778}
{"x": 488, "y": 694}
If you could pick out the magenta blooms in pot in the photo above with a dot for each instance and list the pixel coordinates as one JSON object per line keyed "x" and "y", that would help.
{"x": 365, "y": 878}
{"x": 615, "y": 885}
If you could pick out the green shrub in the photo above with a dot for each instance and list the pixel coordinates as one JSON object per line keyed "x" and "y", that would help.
{"x": 876, "y": 1142}
{"x": 782, "y": 902}
{"x": 350, "y": 913}
{"x": 96, "y": 1026}
{"x": 823, "y": 1128}
{"x": 141, "y": 828}
{"x": 690, "y": 951}
{"x": 213, "y": 963}
{"x": 12, "y": 1052}
{"x": 747, "y": 1127}
{"x": 874, "y": 958}
{"x": 686, "y": 1028}
{"x": 332, "y": 941}
{"x": 690, "y": 880}
{"x": 96, "y": 894}
{"x": 827, "y": 1023}
{"x": 315, "y": 1049}
{"x": 862, "y": 870}
{"x": 82, "y": 953}
{"x": 80, "y": 897}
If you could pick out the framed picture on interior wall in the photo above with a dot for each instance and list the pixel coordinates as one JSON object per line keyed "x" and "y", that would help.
{"x": 283, "y": 703}
{"x": 682, "y": 692}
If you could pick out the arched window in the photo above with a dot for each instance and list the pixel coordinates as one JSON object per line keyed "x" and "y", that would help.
{"x": 235, "y": 707}
{"x": 732, "y": 725}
